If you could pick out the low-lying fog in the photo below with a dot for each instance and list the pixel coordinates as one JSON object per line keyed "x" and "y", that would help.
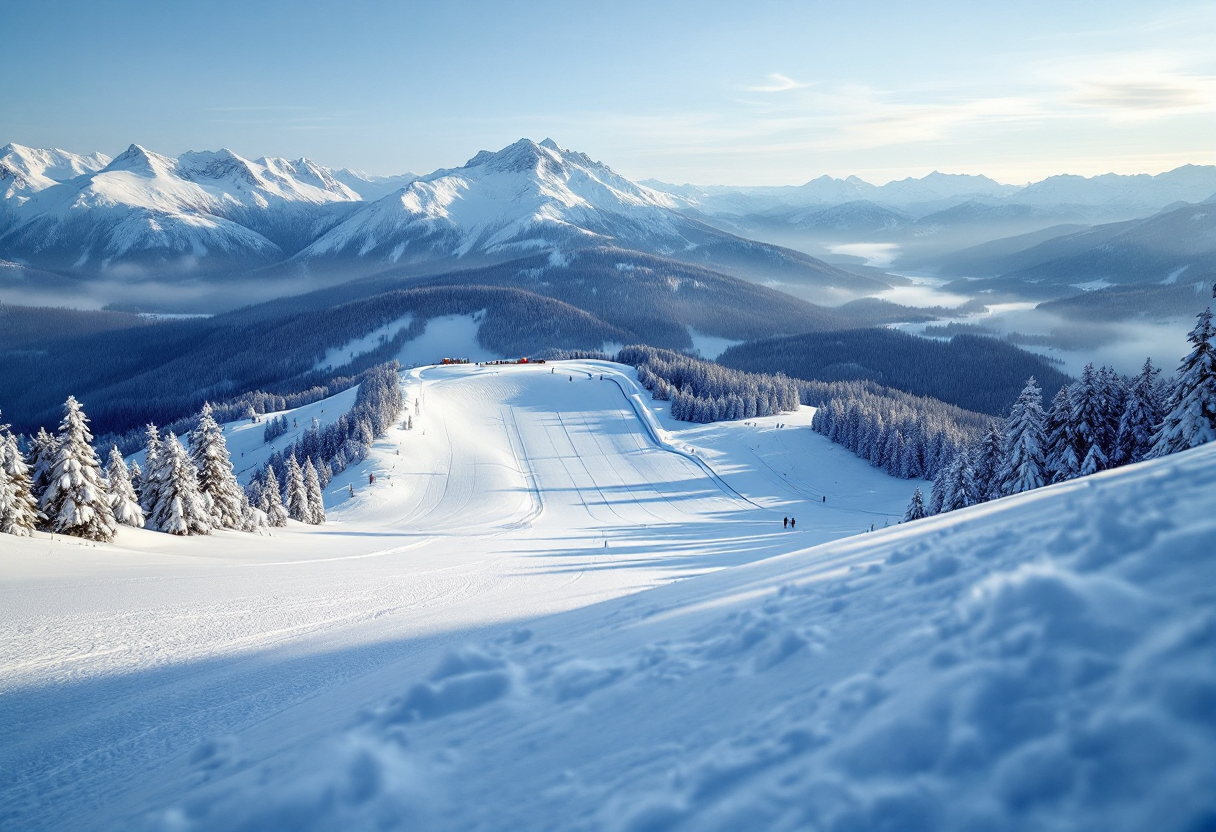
{"x": 1071, "y": 344}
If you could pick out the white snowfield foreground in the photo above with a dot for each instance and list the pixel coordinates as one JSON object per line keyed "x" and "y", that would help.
{"x": 458, "y": 649}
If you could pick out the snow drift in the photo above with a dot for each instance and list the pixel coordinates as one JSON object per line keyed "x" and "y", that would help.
{"x": 1043, "y": 662}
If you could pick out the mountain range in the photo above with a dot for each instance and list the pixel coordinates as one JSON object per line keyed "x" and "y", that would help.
{"x": 1113, "y": 193}
{"x": 922, "y": 221}
{"x": 143, "y": 217}
{"x": 272, "y": 225}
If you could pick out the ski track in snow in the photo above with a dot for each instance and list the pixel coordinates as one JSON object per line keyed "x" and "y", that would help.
{"x": 459, "y": 649}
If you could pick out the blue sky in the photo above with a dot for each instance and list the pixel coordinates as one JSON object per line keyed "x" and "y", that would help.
{"x": 705, "y": 92}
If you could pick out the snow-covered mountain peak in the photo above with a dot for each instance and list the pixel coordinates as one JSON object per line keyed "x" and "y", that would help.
{"x": 27, "y": 170}
{"x": 522, "y": 156}
{"x": 310, "y": 173}
{"x": 524, "y": 197}
{"x": 216, "y": 165}
{"x": 139, "y": 160}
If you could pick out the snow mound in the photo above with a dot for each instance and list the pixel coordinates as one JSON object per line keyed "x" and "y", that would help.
{"x": 1045, "y": 662}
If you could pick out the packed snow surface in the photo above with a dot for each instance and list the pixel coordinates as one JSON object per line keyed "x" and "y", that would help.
{"x": 493, "y": 636}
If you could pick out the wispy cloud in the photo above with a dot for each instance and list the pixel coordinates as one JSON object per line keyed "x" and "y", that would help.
{"x": 1140, "y": 97}
{"x": 778, "y": 83}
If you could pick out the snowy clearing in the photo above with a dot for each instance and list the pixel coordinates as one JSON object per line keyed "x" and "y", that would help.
{"x": 710, "y": 346}
{"x": 447, "y": 336}
{"x": 493, "y": 637}
{"x": 348, "y": 352}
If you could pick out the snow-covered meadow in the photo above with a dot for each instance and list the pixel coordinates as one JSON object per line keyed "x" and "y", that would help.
{"x": 556, "y": 608}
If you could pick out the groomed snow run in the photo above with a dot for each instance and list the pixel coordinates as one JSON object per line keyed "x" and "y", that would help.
{"x": 492, "y": 637}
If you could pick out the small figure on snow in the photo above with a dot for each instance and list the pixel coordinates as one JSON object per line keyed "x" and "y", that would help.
{"x": 792, "y": 523}
{"x": 785, "y": 522}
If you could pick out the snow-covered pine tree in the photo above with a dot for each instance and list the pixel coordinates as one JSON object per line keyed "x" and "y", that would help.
{"x": 296, "y": 496}
{"x": 42, "y": 453}
{"x": 1022, "y": 465}
{"x": 1191, "y": 417}
{"x": 18, "y": 508}
{"x": 1095, "y": 461}
{"x": 1087, "y": 412}
{"x": 180, "y": 507}
{"x": 960, "y": 483}
{"x": 75, "y": 501}
{"x": 276, "y": 512}
{"x": 1142, "y": 413}
{"x": 986, "y": 460}
{"x": 1112, "y": 401}
{"x": 916, "y": 507}
{"x": 137, "y": 479}
{"x": 123, "y": 503}
{"x": 216, "y": 482}
{"x": 316, "y": 499}
{"x": 153, "y": 479}
{"x": 937, "y": 494}
{"x": 1059, "y": 454}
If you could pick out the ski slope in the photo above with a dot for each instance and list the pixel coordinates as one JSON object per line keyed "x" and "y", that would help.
{"x": 521, "y": 492}
{"x": 556, "y": 609}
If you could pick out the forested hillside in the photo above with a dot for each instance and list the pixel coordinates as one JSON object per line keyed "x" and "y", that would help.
{"x": 975, "y": 373}
{"x": 21, "y": 326}
{"x": 908, "y": 436}
{"x": 166, "y": 370}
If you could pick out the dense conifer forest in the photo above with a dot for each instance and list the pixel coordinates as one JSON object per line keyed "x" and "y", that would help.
{"x": 973, "y": 372}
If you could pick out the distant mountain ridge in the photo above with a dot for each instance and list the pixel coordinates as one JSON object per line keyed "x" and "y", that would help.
{"x": 1138, "y": 193}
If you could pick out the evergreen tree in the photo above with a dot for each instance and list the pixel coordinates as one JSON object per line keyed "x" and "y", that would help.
{"x": 1022, "y": 465}
{"x": 1142, "y": 413}
{"x": 1060, "y": 458}
{"x": 216, "y": 482}
{"x": 137, "y": 479}
{"x": 987, "y": 463}
{"x": 276, "y": 512}
{"x": 937, "y": 494}
{"x": 1095, "y": 461}
{"x": 75, "y": 500}
{"x": 180, "y": 507}
{"x": 18, "y": 507}
{"x": 253, "y": 518}
{"x": 297, "y": 494}
{"x": 1112, "y": 402}
{"x": 960, "y": 483}
{"x": 316, "y": 499}
{"x": 123, "y": 503}
{"x": 153, "y": 478}
{"x": 1191, "y": 417}
{"x": 1089, "y": 419}
{"x": 916, "y": 508}
{"x": 42, "y": 454}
